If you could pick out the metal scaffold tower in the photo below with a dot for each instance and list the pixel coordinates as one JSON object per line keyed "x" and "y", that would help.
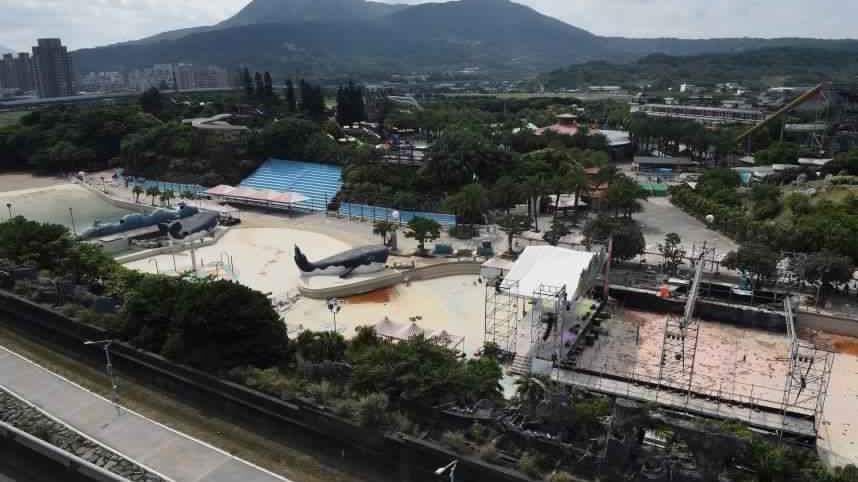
{"x": 679, "y": 346}
{"x": 808, "y": 373}
{"x": 549, "y": 306}
{"x": 503, "y": 310}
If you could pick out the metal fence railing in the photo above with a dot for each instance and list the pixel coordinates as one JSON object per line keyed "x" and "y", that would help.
{"x": 376, "y": 213}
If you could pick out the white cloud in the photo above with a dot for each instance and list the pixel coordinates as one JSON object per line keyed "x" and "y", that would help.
{"x": 86, "y": 23}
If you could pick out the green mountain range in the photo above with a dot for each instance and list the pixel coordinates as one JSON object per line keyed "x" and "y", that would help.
{"x": 358, "y": 37}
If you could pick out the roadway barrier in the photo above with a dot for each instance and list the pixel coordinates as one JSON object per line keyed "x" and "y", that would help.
{"x": 27, "y": 458}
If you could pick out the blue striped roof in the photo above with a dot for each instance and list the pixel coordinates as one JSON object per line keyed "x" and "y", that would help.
{"x": 319, "y": 182}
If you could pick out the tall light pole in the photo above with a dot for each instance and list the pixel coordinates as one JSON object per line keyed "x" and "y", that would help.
{"x": 9, "y": 207}
{"x": 74, "y": 228}
{"x": 334, "y": 307}
{"x": 451, "y": 468}
{"x": 105, "y": 345}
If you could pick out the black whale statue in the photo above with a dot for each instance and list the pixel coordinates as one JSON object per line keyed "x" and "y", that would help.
{"x": 366, "y": 259}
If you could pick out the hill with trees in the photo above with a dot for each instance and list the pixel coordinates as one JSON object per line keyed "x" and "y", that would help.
{"x": 329, "y": 37}
{"x": 799, "y": 65}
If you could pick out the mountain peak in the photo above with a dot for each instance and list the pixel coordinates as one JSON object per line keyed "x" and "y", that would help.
{"x": 291, "y": 11}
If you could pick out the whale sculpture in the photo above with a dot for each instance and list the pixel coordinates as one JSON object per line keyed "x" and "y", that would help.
{"x": 366, "y": 259}
{"x": 136, "y": 221}
{"x": 182, "y": 228}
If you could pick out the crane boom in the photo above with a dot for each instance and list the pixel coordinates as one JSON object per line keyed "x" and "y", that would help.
{"x": 801, "y": 99}
{"x": 692, "y": 293}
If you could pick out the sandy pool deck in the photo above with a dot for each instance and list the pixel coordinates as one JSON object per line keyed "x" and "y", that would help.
{"x": 454, "y": 304}
{"x": 263, "y": 261}
{"x": 262, "y": 257}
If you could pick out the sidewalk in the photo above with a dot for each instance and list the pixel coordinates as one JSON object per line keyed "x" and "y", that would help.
{"x": 175, "y": 455}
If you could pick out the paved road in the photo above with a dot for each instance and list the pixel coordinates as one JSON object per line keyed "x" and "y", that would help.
{"x": 165, "y": 451}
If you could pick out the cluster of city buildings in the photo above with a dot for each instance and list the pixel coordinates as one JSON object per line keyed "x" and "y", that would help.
{"x": 179, "y": 77}
{"x": 48, "y": 71}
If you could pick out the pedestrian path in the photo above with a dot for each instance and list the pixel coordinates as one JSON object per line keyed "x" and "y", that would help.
{"x": 164, "y": 450}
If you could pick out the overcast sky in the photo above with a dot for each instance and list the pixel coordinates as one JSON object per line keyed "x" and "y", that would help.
{"x": 87, "y": 23}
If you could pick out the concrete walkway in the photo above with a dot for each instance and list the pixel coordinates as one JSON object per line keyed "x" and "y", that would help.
{"x": 170, "y": 453}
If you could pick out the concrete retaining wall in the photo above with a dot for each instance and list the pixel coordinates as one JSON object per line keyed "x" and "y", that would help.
{"x": 744, "y": 316}
{"x": 131, "y": 206}
{"x": 829, "y": 324}
{"x": 176, "y": 248}
{"x": 392, "y": 278}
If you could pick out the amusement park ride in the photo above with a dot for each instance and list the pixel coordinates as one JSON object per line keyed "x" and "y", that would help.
{"x": 829, "y": 128}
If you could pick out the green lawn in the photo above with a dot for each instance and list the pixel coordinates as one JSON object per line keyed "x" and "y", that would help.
{"x": 11, "y": 118}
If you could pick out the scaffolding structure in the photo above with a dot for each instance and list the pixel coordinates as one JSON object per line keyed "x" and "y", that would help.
{"x": 549, "y": 309}
{"x": 808, "y": 375}
{"x": 503, "y": 310}
{"x": 679, "y": 346}
{"x": 506, "y": 308}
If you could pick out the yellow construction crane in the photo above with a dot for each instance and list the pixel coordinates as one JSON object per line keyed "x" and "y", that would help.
{"x": 801, "y": 99}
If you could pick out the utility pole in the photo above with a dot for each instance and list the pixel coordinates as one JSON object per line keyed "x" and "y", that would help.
{"x": 105, "y": 344}
{"x": 74, "y": 228}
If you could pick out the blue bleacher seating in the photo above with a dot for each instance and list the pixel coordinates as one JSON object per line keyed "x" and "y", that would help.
{"x": 319, "y": 182}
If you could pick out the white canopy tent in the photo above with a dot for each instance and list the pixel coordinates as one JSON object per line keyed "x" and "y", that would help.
{"x": 549, "y": 266}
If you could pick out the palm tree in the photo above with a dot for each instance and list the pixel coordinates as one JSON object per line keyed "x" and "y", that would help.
{"x": 384, "y": 228}
{"x": 137, "y": 191}
{"x": 469, "y": 204}
{"x": 167, "y": 196}
{"x": 505, "y": 194}
{"x": 513, "y": 225}
{"x": 154, "y": 192}
{"x": 535, "y": 187}
{"x": 570, "y": 179}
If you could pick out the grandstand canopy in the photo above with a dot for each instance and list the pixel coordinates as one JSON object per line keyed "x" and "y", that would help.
{"x": 548, "y": 266}
{"x": 255, "y": 195}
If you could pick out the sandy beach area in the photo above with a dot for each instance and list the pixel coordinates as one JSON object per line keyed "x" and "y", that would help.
{"x": 17, "y": 181}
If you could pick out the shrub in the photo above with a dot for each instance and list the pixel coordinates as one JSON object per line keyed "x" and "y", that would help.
{"x": 560, "y": 477}
{"x": 488, "y": 452}
{"x": 463, "y": 231}
{"x": 70, "y": 310}
{"x": 344, "y": 408}
{"x": 530, "y": 464}
{"x": 402, "y": 424}
{"x": 371, "y": 409}
{"x": 21, "y": 288}
{"x": 323, "y": 392}
{"x": 456, "y": 441}
{"x": 479, "y": 433}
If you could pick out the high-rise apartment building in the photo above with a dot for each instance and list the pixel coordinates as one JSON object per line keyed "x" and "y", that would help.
{"x": 24, "y": 72}
{"x": 7, "y": 73}
{"x": 52, "y": 69}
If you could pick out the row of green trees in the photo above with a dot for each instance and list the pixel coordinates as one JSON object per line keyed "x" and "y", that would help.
{"x": 351, "y": 107}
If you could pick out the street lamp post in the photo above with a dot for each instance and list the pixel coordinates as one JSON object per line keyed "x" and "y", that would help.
{"x": 74, "y": 228}
{"x": 449, "y": 468}
{"x": 105, "y": 344}
{"x": 334, "y": 307}
{"x": 9, "y": 207}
